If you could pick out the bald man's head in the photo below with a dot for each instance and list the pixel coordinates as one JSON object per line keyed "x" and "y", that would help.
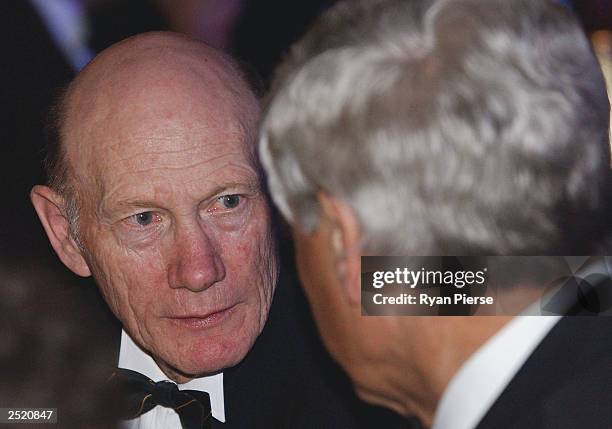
{"x": 136, "y": 70}
{"x": 155, "y": 153}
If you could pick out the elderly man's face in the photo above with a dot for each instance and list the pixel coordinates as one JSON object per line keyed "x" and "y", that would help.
{"x": 174, "y": 225}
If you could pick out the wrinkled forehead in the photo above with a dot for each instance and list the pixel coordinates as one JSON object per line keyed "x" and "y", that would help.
{"x": 157, "y": 104}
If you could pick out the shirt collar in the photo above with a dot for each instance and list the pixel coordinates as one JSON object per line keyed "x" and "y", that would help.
{"x": 484, "y": 376}
{"x": 133, "y": 357}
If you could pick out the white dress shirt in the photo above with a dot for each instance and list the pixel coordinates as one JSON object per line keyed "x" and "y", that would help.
{"x": 484, "y": 376}
{"x": 132, "y": 357}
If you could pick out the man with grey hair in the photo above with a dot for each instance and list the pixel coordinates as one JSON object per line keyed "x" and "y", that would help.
{"x": 154, "y": 189}
{"x": 447, "y": 127}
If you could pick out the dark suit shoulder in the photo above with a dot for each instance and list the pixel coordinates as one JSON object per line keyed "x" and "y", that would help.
{"x": 565, "y": 383}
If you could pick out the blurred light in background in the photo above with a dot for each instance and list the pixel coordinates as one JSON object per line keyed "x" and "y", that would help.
{"x": 567, "y": 3}
{"x": 602, "y": 44}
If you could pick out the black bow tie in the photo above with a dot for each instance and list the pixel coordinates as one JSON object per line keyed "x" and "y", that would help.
{"x": 139, "y": 394}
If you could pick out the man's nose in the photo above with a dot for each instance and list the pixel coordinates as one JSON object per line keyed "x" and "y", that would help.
{"x": 197, "y": 262}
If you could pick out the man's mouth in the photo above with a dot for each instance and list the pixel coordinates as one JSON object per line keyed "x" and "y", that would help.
{"x": 207, "y": 320}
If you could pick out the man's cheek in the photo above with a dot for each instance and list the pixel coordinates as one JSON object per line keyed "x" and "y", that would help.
{"x": 113, "y": 284}
{"x": 127, "y": 279}
{"x": 244, "y": 258}
{"x": 258, "y": 269}
{"x": 148, "y": 261}
{"x": 139, "y": 262}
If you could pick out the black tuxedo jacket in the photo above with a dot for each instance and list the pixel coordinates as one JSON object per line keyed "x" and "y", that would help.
{"x": 565, "y": 384}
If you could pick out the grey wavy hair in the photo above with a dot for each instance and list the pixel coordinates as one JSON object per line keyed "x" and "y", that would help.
{"x": 449, "y": 126}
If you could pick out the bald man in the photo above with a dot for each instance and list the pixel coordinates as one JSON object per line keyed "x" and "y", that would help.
{"x": 155, "y": 191}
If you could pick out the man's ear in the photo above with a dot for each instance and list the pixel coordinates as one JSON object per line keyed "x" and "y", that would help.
{"x": 345, "y": 239}
{"x": 48, "y": 205}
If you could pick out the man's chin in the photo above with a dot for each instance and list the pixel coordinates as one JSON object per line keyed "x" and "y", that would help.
{"x": 200, "y": 363}
{"x": 196, "y": 356}
{"x": 195, "y": 348}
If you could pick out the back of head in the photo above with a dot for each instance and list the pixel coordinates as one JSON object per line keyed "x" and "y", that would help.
{"x": 449, "y": 126}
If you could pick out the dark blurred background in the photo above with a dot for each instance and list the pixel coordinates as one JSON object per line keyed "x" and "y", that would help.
{"x": 44, "y": 44}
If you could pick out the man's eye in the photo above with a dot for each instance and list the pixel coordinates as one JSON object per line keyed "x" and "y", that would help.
{"x": 229, "y": 201}
{"x": 144, "y": 218}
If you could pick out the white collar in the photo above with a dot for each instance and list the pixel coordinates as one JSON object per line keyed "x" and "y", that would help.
{"x": 484, "y": 376}
{"x": 133, "y": 357}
